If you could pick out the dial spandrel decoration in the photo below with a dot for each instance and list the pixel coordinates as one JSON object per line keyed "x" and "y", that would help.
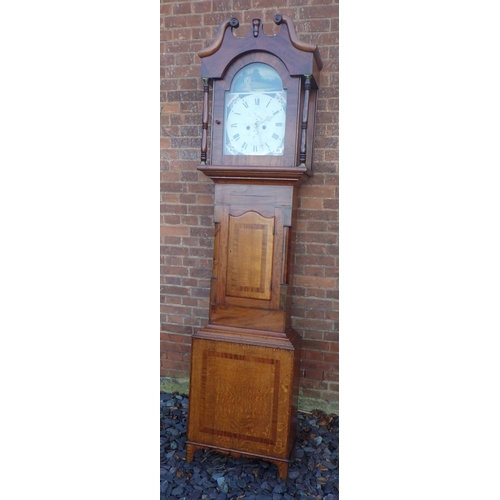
{"x": 255, "y": 113}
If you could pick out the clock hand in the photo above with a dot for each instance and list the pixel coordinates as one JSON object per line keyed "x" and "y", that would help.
{"x": 257, "y": 134}
{"x": 264, "y": 120}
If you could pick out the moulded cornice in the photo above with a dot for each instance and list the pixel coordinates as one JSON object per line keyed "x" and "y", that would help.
{"x": 300, "y": 57}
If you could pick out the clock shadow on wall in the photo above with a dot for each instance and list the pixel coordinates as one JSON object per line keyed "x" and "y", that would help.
{"x": 245, "y": 363}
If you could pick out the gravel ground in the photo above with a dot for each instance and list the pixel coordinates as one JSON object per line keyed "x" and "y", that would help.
{"x": 313, "y": 472}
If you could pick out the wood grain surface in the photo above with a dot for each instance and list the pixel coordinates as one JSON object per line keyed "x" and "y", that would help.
{"x": 242, "y": 397}
{"x": 250, "y": 256}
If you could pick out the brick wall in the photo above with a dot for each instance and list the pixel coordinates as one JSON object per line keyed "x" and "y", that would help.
{"x": 187, "y": 195}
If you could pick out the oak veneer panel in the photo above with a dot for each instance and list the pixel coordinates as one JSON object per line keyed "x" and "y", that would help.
{"x": 250, "y": 256}
{"x": 241, "y": 397}
{"x": 245, "y": 317}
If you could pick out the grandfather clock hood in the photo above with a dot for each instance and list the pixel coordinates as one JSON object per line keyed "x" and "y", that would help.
{"x": 272, "y": 141}
{"x": 299, "y": 57}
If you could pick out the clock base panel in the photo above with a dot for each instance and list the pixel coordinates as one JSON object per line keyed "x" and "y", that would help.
{"x": 243, "y": 396}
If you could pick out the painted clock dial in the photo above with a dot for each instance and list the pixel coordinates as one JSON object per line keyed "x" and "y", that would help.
{"x": 255, "y": 113}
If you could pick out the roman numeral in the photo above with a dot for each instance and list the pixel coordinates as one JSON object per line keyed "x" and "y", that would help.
{"x": 245, "y": 104}
{"x": 279, "y": 124}
{"x": 236, "y": 137}
{"x": 257, "y": 101}
{"x": 275, "y": 136}
{"x": 255, "y": 148}
{"x": 234, "y": 124}
{"x": 244, "y": 145}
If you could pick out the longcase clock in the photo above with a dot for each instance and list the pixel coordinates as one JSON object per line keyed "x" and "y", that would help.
{"x": 245, "y": 362}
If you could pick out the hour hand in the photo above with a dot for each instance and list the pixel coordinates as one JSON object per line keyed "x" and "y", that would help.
{"x": 264, "y": 120}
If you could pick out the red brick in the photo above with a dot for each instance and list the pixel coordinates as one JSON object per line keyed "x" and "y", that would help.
{"x": 314, "y": 25}
{"x": 314, "y": 374}
{"x": 315, "y": 364}
{"x": 330, "y": 375}
{"x": 315, "y": 355}
{"x": 182, "y": 8}
{"x": 319, "y": 11}
{"x": 314, "y": 281}
{"x": 304, "y": 328}
{"x": 242, "y": 5}
{"x": 201, "y": 7}
{"x": 310, "y": 386}
{"x": 205, "y": 199}
{"x": 166, "y": 9}
{"x": 170, "y": 208}
{"x": 187, "y": 198}
{"x": 316, "y": 203}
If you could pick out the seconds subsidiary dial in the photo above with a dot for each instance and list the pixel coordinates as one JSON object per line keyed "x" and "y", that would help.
{"x": 255, "y": 123}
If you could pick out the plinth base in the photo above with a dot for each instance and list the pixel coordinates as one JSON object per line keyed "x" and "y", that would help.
{"x": 281, "y": 464}
{"x": 243, "y": 395}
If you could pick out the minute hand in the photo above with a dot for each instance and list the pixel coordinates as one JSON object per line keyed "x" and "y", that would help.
{"x": 265, "y": 120}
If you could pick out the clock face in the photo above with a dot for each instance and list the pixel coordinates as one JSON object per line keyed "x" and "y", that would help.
{"x": 255, "y": 112}
{"x": 255, "y": 123}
